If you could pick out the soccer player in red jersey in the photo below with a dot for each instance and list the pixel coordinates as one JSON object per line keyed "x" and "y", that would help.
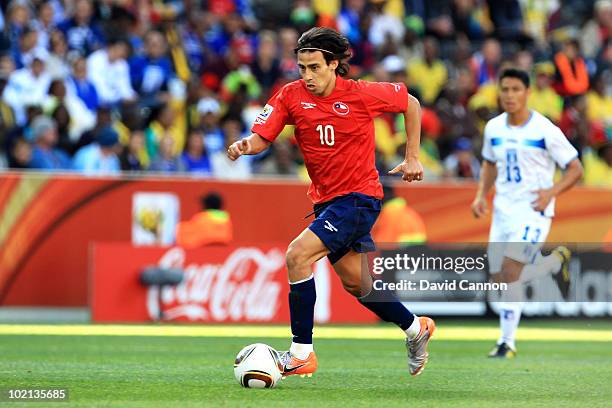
{"x": 334, "y": 129}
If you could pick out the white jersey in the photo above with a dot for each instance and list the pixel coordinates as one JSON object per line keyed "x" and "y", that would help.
{"x": 525, "y": 157}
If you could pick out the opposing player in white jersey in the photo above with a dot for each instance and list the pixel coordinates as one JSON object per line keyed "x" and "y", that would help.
{"x": 520, "y": 150}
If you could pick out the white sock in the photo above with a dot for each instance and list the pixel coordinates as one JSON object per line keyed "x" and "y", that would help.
{"x": 301, "y": 351}
{"x": 414, "y": 329}
{"x": 545, "y": 265}
{"x": 510, "y": 313}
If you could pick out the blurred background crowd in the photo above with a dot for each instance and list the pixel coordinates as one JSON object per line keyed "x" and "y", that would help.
{"x": 152, "y": 85}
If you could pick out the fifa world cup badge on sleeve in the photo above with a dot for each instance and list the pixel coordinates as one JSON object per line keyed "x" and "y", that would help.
{"x": 264, "y": 114}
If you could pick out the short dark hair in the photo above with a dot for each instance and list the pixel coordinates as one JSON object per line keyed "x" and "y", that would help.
{"x": 519, "y": 74}
{"x": 212, "y": 201}
{"x": 332, "y": 44}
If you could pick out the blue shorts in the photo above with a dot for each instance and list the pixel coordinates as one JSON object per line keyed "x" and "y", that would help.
{"x": 345, "y": 222}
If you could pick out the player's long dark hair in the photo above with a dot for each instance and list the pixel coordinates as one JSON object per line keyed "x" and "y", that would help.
{"x": 326, "y": 39}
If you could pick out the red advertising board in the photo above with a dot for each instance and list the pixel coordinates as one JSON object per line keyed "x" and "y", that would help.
{"x": 48, "y": 222}
{"x": 221, "y": 284}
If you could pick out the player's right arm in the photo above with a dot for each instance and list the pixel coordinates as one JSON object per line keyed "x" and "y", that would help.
{"x": 249, "y": 145}
{"x": 268, "y": 124}
{"x": 488, "y": 174}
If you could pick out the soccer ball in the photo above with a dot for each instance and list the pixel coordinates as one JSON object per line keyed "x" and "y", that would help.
{"x": 258, "y": 366}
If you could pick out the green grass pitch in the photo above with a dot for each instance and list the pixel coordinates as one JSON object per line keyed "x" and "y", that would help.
{"x": 176, "y": 371}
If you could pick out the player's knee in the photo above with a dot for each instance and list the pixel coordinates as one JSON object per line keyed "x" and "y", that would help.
{"x": 353, "y": 286}
{"x": 295, "y": 256}
{"x": 509, "y": 275}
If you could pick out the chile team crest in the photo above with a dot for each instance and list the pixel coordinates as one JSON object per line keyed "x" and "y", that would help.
{"x": 340, "y": 108}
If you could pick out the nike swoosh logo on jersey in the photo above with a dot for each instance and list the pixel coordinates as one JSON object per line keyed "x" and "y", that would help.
{"x": 308, "y": 105}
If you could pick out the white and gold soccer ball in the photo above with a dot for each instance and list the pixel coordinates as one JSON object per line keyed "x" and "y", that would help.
{"x": 258, "y": 366}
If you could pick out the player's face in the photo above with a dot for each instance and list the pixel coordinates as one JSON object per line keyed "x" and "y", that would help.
{"x": 316, "y": 73}
{"x": 513, "y": 95}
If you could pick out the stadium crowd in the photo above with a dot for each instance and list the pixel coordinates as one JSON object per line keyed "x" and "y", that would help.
{"x": 165, "y": 86}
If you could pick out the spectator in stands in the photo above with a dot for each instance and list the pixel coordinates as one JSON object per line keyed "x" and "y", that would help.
{"x": 7, "y": 65}
{"x": 597, "y": 30}
{"x": 459, "y": 58}
{"x": 99, "y": 157}
{"x": 282, "y": 161}
{"x": 78, "y": 84}
{"x": 195, "y": 156}
{"x": 21, "y": 155}
{"x": 7, "y": 117}
{"x": 485, "y": 64}
{"x": 462, "y": 162}
{"x": 44, "y": 24}
{"x": 205, "y": 45}
{"x": 150, "y": 73}
{"x": 241, "y": 79}
{"x": 543, "y": 97}
{"x": 28, "y": 48}
{"x": 82, "y": 32}
{"x": 45, "y": 154}
{"x": 437, "y": 18}
{"x": 232, "y": 35}
{"x": 193, "y": 39}
{"x": 429, "y": 74}
{"x": 604, "y": 57}
{"x": 222, "y": 66}
{"x": 457, "y": 120}
{"x": 224, "y": 168}
{"x": 466, "y": 22}
{"x": 507, "y": 18}
{"x": 210, "y": 226}
{"x": 288, "y": 38}
{"x": 572, "y": 76}
{"x": 60, "y": 115}
{"x": 349, "y": 20}
{"x": 574, "y": 122}
{"x": 214, "y": 140}
{"x": 266, "y": 66}
{"x": 166, "y": 161}
{"x": 27, "y": 86}
{"x": 164, "y": 124}
{"x": 103, "y": 118}
{"x": 79, "y": 119}
{"x": 133, "y": 156}
{"x": 18, "y": 17}
{"x": 599, "y": 100}
{"x": 109, "y": 72}
{"x": 598, "y": 158}
{"x": 523, "y": 59}
{"x": 57, "y": 61}
{"x": 384, "y": 27}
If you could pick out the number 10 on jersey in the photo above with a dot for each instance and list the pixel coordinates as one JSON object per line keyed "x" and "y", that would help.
{"x": 326, "y": 134}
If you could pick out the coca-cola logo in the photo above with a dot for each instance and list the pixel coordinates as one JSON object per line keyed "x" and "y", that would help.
{"x": 242, "y": 288}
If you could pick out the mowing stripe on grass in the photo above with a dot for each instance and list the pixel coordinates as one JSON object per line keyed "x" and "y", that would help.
{"x": 365, "y": 332}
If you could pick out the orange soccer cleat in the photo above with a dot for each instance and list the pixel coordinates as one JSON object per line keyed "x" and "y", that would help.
{"x": 293, "y": 365}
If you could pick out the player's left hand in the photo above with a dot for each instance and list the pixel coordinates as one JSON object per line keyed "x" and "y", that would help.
{"x": 411, "y": 170}
{"x": 542, "y": 200}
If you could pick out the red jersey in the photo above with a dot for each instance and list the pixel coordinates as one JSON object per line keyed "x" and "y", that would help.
{"x": 335, "y": 133}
